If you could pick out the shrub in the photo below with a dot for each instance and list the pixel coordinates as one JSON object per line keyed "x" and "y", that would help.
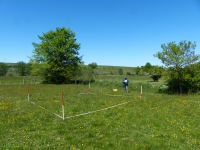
{"x": 156, "y": 77}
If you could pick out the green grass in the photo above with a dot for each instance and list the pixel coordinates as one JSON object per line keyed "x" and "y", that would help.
{"x": 159, "y": 121}
{"x": 19, "y": 80}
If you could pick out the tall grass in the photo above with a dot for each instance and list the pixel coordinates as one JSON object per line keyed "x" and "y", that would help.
{"x": 159, "y": 121}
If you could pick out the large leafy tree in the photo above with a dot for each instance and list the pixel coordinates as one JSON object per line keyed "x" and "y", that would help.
{"x": 21, "y": 68}
{"x": 3, "y": 69}
{"x": 177, "y": 58}
{"x": 147, "y": 67}
{"x": 56, "y": 58}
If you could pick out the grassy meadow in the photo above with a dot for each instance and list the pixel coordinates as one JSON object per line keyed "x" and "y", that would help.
{"x": 104, "y": 119}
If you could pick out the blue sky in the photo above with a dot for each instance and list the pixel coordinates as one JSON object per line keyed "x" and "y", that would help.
{"x": 111, "y": 32}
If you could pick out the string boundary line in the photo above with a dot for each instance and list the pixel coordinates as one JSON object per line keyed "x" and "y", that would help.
{"x": 90, "y": 112}
{"x": 46, "y": 109}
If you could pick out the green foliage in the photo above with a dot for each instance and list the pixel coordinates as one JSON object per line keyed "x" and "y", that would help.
{"x": 28, "y": 69}
{"x": 56, "y": 58}
{"x": 190, "y": 82}
{"x": 93, "y": 65}
{"x": 3, "y": 69}
{"x": 137, "y": 70}
{"x": 177, "y": 58}
{"x": 156, "y": 72}
{"x": 155, "y": 77}
{"x": 22, "y": 68}
{"x": 120, "y": 71}
{"x": 128, "y": 73}
{"x": 147, "y": 67}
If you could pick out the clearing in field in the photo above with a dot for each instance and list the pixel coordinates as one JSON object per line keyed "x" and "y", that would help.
{"x": 71, "y": 104}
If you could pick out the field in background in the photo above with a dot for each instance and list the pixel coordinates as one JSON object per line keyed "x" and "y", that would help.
{"x": 100, "y": 70}
{"x": 158, "y": 121}
{"x": 19, "y": 80}
{"x": 106, "y": 70}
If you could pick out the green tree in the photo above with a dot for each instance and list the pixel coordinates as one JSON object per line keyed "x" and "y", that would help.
{"x": 3, "y": 69}
{"x": 191, "y": 78}
{"x": 128, "y": 73}
{"x": 177, "y": 57}
{"x": 147, "y": 67}
{"x": 28, "y": 69}
{"x": 137, "y": 70}
{"x": 93, "y": 65}
{"x": 21, "y": 68}
{"x": 120, "y": 71}
{"x": 56, "y": 57}
{"x": 156, "y": 72}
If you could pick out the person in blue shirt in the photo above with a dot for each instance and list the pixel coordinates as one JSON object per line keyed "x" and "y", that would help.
{"x": 125, "y": 84}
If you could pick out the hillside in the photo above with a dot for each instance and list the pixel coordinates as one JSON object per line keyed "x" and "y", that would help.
{"x": 106, "y": 70}
{"x": 100, "y": 70}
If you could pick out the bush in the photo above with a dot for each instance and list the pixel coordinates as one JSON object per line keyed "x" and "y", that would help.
{"x": 128, "y": 73}
{"x": 156, "y": 77}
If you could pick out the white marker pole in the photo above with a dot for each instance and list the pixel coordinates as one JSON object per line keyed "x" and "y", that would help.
{"x": 89, "y": 89}
{"x": 63, "y": 105}
{"x": 28, "y": 92}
